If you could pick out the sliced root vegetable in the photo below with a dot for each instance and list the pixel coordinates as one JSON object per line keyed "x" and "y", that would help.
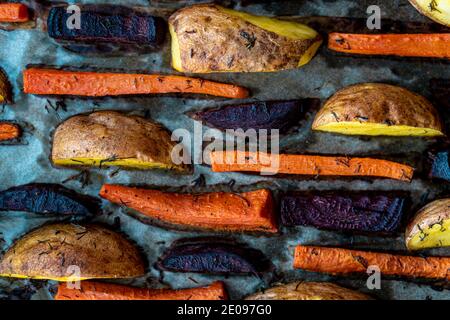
{"x": 433, "y": 45}
{"x": 90, "y": 290}
{"x": 345, "y": 261}
{"x": 438, "y": 10}
{"x": 430, "y": 228}
{"x": 13, "y": 12}
{"x": 44, "y": 81}
{"x": 249, "y": 211}
{"x": 9, "y": 131}
{"x": 310, "y": 165}
{"x": 5, "y": 88}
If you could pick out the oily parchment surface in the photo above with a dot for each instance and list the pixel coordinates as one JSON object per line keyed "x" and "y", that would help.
{"x": 28, "y": 161}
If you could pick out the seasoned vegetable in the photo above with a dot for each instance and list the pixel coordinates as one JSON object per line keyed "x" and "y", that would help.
{"x": 210, "y": 38}
{"x": 90, "y": 290}
{"x": 436, "y": 45}
{"x": 344, "y": 261}
{"x": 5, "y": 88}
{"x": 47, "y": 198}
{"x": 256, "y": 115}
{"x": 430, "y": 228}
{"x": 378, "y": 109}
{"x": 69, "y": 252}
{"x": 308, "y": 291}
{"x": 249, "y": 211}
{"x": 440, "y": 166}
{"x": 96, "y": 84}
{"x": 310, "y": 165}
{"x": 365, "y": 213}
{"x": 214, "y": 256}
{"x": 9, "y": 131}
{"x": 13, "y": 12}
{"x": 108, "y": 25}
{"x": 438, "y": 10}
{"x": 110, "y": 138}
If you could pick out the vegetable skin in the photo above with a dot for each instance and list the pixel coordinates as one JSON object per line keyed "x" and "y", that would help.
{"x": 5, "y": 89}
{"x": 9, "y": 131}
{"x": 47, "y": 198}
{"x": 345, "y": 261}
{"x": 13, "y": 12}
{"x": 90, "y": 290}
{"x": 249, "y": 212}
{"x": 310, "y": 165}
{"x": 44, "y": 81}
{"x": 361, "y": 213}
{"x": 403, "y": 45}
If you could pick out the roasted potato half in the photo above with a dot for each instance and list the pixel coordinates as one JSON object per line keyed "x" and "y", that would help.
{"x": 110, "y": 138}
{"x": 430, "y": 228}
{"x": 55, "y": 252}
{"x": 210, "y": 38}
{"x": 308, "y": 291}
{"x": 377, "y": 109}
{"x": 438, "y": 10}
{"x": 5, "y": 88}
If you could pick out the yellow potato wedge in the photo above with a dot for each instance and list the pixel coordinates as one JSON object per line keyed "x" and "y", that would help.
{"x": 377, "y": 109}
{"x": 309, "y": 291}
{"x": 210, "y": 38}
{"x": 430, "y": 228}
{"x": 437, "y": 10}
{"x": 69, "y": 252}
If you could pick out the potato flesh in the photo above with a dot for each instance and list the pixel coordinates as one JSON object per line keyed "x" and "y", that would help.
{"x": 377, "y": 129}
{"x": 434, "y": 236}
{"x": 126, "y": 163}
{"x": 176, "y": 52}
{"x": 59, "y": 279}
{"x": 438, "y": 10}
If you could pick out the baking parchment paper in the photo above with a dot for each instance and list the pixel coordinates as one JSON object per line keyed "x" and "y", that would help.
{"x": 29, "y": 161}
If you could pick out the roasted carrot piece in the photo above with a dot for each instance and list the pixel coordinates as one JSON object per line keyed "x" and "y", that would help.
{"x": 96, "y": 84}
{"x": 249, "y": 211}
{"x": 13, "y": 12}
{"x": 90, "y": 290}
{"x": 308, "y": 165}
{"x": 9, "y": 131}
{"x": 345, "y": 261}
{"x": 435, "y": 45}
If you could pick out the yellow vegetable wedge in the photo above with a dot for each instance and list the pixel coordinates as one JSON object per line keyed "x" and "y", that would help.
{"x": 438, "y": 10}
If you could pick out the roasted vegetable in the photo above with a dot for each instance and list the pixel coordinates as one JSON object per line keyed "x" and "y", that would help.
{"x": 249, "y": 211}
{"x": 365, "y": 213}
{"x": 69, "y": 252}
{"x": 110, "y": 138}
{"x": 430, "y": 228}
{"x": 378, "y": 109}
{"x": 440, "y": 166}
{"x": 47, "y": 198}
{"x": 13, "y": 12}
{"x": 210, "y": 38}
{"x": 9, "y": 131}
{"x": 214, "y": 256}
{"x": 436, "y": 45}
{"x": 344, "y": 261}
{"x": 308, "y": 291}
{"x": 438, "y": 10}
{"x": 45, "y": 81}
{"x": 107, "y": 27}
{"x": 90, "y": 290}
{"x": 5, "y": 88}
{"x": 257, "y": 115}
{"x": 309, "y": 165}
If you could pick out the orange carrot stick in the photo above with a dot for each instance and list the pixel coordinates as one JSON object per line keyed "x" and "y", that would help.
{"x": 95, "y": 84}
{"x": 308, "y": 165}
{"x": 9, "y": 131}
{"x": 405, "y": 45}
{"x": 13, "y": 12}
{"x": 90, "y": 290}
{"x": 344, "y": 261}
{"x": 249, "y": 211}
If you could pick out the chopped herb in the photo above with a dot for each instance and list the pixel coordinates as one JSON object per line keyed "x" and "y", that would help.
{"x": 251, "y": 40}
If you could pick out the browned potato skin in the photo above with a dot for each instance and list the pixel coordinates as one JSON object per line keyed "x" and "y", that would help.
{"x": 379, "y": 103}
{"x": 309, "y": 291}
{"x": 112, "y": 135}
{"x": 47, "y": 252}
{"x": 215, "y": 33}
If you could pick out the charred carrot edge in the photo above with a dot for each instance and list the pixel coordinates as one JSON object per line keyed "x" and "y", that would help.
{"x": 9, "y": 131}
{"x": 96, "y": 84}
{"x": 249, "y": 211}
{"x": 344, "y": 261}
{"x": 13, "y": 12}
{"x": 436, "y": 45}
{"x": 308, "y": 165}
{"x": 90, "y": 290}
